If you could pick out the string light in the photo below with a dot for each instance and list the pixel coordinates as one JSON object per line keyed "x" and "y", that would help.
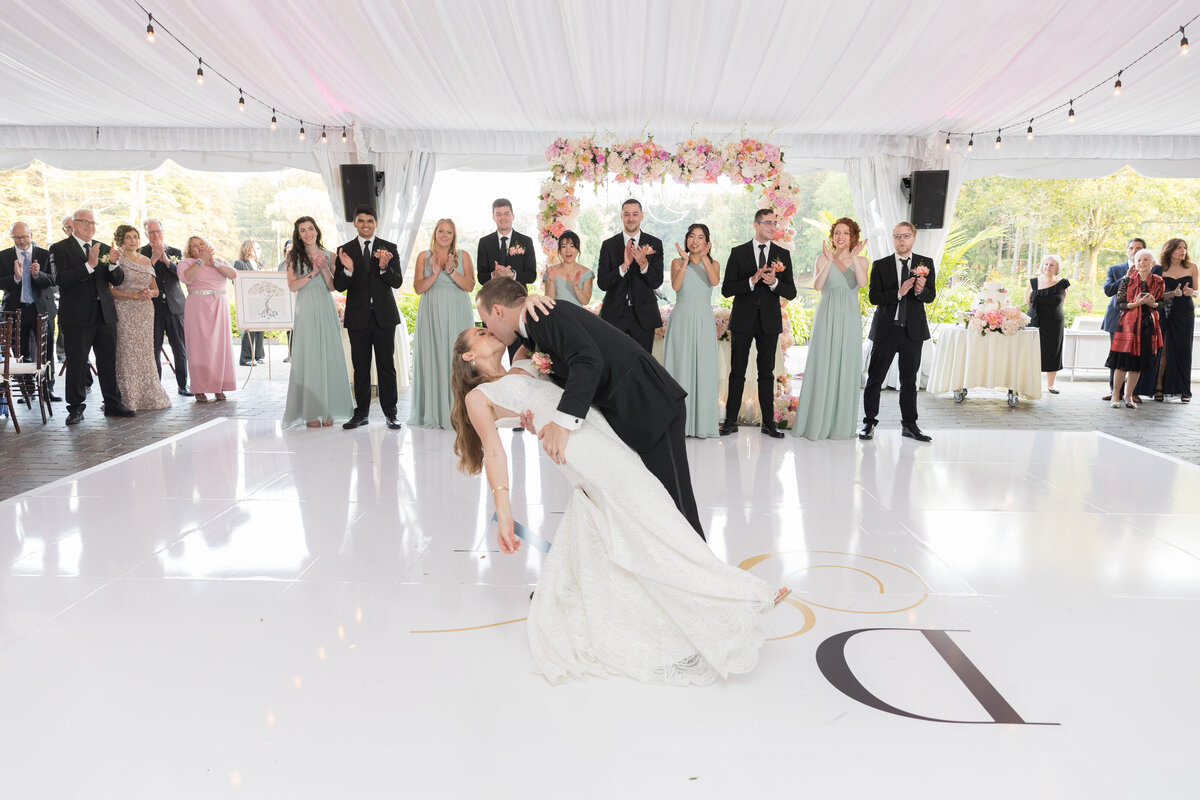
{"x": 1183, "y": 47}
{"x": 274, "y": 121}
{"x": 997, "y": 139}
{"x": 324, "y": 138}
{"x": 1071, "y": 113}
{"x": 241, "y": 101}
{"x": 971, "y": 143}
{"x": 1117, "y": 85}
{"x": 302, "y": 130}
{"x": 1029, "y": 131}
{"x": 200, "y": 72}
{"x": 344, "y": 134}
{"x": 150, "y": 28}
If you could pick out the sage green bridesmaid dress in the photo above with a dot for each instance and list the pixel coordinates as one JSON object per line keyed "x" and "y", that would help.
{"x": 318, "y": 386}
{"x": 443, "y": 313}
{"x": 690, "y": 352}
{"x": 829, "y": 394}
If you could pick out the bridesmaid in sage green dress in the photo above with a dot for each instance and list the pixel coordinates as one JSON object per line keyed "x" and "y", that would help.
{"x": 829, "y": 394}
{"x": 690, "y": 347}
{"x": 568, "y": 281}
{"x": 445, "y": 277}
{"x": 318, "y": 387}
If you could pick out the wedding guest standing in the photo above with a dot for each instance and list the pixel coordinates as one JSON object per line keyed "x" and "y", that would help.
{"x": 89, "y": 318}
{"x": 1138, "y": 337}
{"x": 1180, "y": 280}
{"x": 1112, "y": 277}
{"x": 828, "y": 404}
{"x": 206, "y": 322}
{"x": 28, "y": 284}
{"x": 690, "y": 344}
{"x": 900, "y": 286}
{"x": 631, "y": 268}
{"x": 139, "y": 382}
{"x": 318, "y": 392}
{"x": 252, "y": 341}
{"x": 369, "y": 271}
{"x": 568, "y": 280}
{"x": 1045, "y": 296}
{"x": 758, "y": 274}
{"x": 444, "y": 279}
{"x": 169, "y": 305}
{"x": 506, "y": 252}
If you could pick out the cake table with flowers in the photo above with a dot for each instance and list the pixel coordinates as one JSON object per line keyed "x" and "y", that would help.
{"x": 991, "y": 350}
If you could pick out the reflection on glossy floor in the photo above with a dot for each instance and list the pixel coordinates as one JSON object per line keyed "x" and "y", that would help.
{"x": 245, "y": 612}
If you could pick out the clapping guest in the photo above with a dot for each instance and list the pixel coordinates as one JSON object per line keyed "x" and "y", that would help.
{"x": 318, "y": 387}
{"x": 630, "y": 269}
{"x": 249, "y": 260}
{"x": 1045, "y": 296}
{"x": 506, "y": 252}
{"x": 1138, "y": 336}
{"x": 28, "y": 283}
{"x": 206, "y": 321}
{"x": 444, "y": 279}
{"x": 828, "y": 404}
{"x": 141, "y": 387}
{"x": 1180, "y": 280}
{"x": 170, "y": 303}
{"x": 1112, "y": 277}
{"x": 690, "y": 344}
{"x": 568, "y": 280}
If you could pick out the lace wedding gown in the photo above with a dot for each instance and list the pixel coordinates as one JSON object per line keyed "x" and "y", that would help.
{"x": 628, "y": 588}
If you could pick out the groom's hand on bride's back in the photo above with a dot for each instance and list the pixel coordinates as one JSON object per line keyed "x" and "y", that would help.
{"x": 537, "y": 304}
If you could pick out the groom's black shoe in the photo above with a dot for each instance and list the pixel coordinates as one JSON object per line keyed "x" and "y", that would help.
{"x": 913, "y": 432}
{"x": 772, "y": 431}
{"x": 354, "y": 422}
{"x": 868, "y": 431}
{"x": 728, "y": 427}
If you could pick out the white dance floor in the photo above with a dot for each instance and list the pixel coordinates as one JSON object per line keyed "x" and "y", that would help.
{"x": 241, "y": 611}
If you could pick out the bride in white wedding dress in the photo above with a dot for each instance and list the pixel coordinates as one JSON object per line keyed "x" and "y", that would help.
{"x": 628, "y": 588}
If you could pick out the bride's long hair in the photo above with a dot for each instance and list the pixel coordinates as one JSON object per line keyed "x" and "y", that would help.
{"x": 463, "y": 378}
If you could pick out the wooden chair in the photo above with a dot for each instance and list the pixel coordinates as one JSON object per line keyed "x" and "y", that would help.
{"x": 6, "y": 336}
{"x": 14, "y": 344}
{"x": 33, "y": 377}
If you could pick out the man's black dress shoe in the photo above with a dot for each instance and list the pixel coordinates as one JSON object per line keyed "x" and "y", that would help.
{"x": 913, "y": 432}
{"x": 518, "y": 430}
{"x": 245, "y": 363}
{"x": 119, "y": 411}
{"x": 75, "y": 417}
{"x": 868, "y": 431}
{"x": 55, "y": 398}
{"x": 185, "y": 391}
{"x": 259, "y": 361}
{"x": 392, "y": 423}
{"x": 772, "y": 431}
{"x": 354, "y": 422}
{"x": 728, "y": 427}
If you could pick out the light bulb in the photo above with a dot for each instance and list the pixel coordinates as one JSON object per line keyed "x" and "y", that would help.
{"x": 241, "y": 101}
{"x": 200, "y": 73}
{"x": 947, "y": 142}
{"x": 302, "y": 130}
{"x": 274, "y": 122}
{"x": 971, "y": 143}
{"x": 1117, "y": 85}
{"x": 1183, "y": 45}
{"x": 150, "y": 29}
{"x": 997, "y": 140}
{"x": 343, "y": 133}
{"x": 1029, "y": 131}
{"x": 324, "y": 138}
{"x": 1071, "y": 113}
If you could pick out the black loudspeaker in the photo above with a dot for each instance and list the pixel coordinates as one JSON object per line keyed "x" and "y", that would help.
{"x": 361, "y": 184}
{"x": 929, "y": 198}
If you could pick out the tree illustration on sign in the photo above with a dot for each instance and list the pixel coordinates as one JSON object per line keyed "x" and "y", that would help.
{"x": 268, "y": 291}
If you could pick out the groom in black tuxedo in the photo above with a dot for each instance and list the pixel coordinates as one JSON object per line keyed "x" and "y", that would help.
{"x": 899, "y": 327}
{"x": 88, "y": 315}
{"x": 598, "y": 365}
{"x": 506, "y": 253}
{"x": 758, "y": 273}
{"x": 368, "y": 270}
{"x": 630, "y": 269}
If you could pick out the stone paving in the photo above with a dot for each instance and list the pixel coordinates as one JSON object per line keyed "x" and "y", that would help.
{"x": 41, "y": 454}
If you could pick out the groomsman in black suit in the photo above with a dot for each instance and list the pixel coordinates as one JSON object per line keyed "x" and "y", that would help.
{"x": 506, "y": 253}
{"x": 900, "y": 287}
{"x": 169, "y": 305}
{"x": 1111, "y": 279}
{"x": 88, "y": 316}
{"x": 631, "y": 268}
{"x": 757, "y": 274}
{"x": 596, "y": 365}
{"x": 368, "y": 271}
{"x": 28, "y": 284}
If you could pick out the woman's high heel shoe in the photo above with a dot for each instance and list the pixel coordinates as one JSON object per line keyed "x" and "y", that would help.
{"x": 783, "y": 594}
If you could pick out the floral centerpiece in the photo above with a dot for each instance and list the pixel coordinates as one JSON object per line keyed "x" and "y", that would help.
{"x": 574, "y": 160}
{"x": 785, "y": 402}
{"x": 697, "y": 161}
{"x": 751, "y": 161}
{"x": 1007, "y": 320}
{"x": 637, "y": 161}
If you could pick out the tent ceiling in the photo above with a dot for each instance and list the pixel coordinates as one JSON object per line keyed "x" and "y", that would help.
{"x": 467, "y": 69}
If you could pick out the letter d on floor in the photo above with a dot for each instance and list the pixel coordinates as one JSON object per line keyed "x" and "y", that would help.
{"x": 831, "y": 660}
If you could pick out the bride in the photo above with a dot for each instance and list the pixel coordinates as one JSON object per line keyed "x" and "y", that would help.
{"x": 628, "y": 588}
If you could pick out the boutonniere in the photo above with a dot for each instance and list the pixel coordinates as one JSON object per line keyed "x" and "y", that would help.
{"x": 920, "y": 270}
{"x": 778, "y": 266}
{"x": 647, "y": 249}
{"x": 543, "y": 363}
{"x": 103, "y": 259}
{"x": 516, "y": 250}
{"x": 173, "y": 259}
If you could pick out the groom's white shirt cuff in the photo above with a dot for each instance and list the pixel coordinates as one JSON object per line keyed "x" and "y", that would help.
{"x": 560, "y": 418}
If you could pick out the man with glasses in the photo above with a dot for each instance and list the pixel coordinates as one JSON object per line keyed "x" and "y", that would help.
{"x": 87, "y": 314}
{"x": 28, "y": 282}
{"x": 900, "y": 286}
{"x": 168, "y": 306}
{"x": 757, "y": 274}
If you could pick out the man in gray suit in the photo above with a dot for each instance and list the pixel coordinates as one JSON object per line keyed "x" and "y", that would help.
{"x": 168, "y": 306}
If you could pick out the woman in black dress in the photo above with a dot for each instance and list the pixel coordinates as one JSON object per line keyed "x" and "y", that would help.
{"x": 1045, "y": 296}
{"x": 1138, "y": 338}
{"x": 1178, "y": 321}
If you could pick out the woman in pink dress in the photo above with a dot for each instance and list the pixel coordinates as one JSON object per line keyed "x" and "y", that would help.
{"x": 206, "y": 325}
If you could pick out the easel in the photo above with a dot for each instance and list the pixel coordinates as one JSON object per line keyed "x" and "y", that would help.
{"x": 267, "y": 340}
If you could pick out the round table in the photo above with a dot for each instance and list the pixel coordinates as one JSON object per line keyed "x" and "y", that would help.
{"x": 963, "y": 360}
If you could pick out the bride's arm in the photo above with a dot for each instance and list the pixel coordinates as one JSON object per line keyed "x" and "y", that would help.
{"x": 495, "y": 466}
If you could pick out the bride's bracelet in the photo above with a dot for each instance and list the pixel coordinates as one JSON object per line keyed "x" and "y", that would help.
{"x": 498, "y": 488}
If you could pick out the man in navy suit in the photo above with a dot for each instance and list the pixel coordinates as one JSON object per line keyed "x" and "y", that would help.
{"x": 28, "y": 284}
{"x": 1115, "y": 273}
{"x": 630, "y": 269}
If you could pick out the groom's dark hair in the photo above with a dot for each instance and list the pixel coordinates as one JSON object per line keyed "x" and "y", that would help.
{"x": 501, "y": 291}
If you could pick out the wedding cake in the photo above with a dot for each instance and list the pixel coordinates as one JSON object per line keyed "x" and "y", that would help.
{"x": 993, "y": 311}
{"x": 991, "y": 296}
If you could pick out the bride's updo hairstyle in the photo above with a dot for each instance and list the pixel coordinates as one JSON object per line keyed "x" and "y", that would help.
{"x": 463, "y": 378}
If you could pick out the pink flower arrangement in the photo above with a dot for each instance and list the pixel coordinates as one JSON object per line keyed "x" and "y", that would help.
{"x": 339, "y": 302}
{"x": 518, "y": 250}
{"x": 785, "y": 402}
{"x": 572, "y": 160}
{"x": 556, "y": 205}
{"x": 751, "y": 161}
{"x": 665, "y": 313}
{"x": 697, "y": 160}
{"x": 1007, "y": 320}
{"x": 636, "y": 161}
{"x": 542, "y": 362}
{"x": 921, "y": 271}
{"x": 721, "y": 316}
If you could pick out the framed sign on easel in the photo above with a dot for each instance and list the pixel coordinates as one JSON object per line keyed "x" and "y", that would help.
{"x": 264, "y": 302}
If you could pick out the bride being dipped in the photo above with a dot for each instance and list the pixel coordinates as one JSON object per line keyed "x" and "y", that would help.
{"x": 628, "y": 588}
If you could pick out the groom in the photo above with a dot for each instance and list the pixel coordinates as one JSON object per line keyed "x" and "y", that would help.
{"x": 598, "y": 365}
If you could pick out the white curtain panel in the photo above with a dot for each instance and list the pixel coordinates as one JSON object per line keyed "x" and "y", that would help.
{"x": 408, "y": 180}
